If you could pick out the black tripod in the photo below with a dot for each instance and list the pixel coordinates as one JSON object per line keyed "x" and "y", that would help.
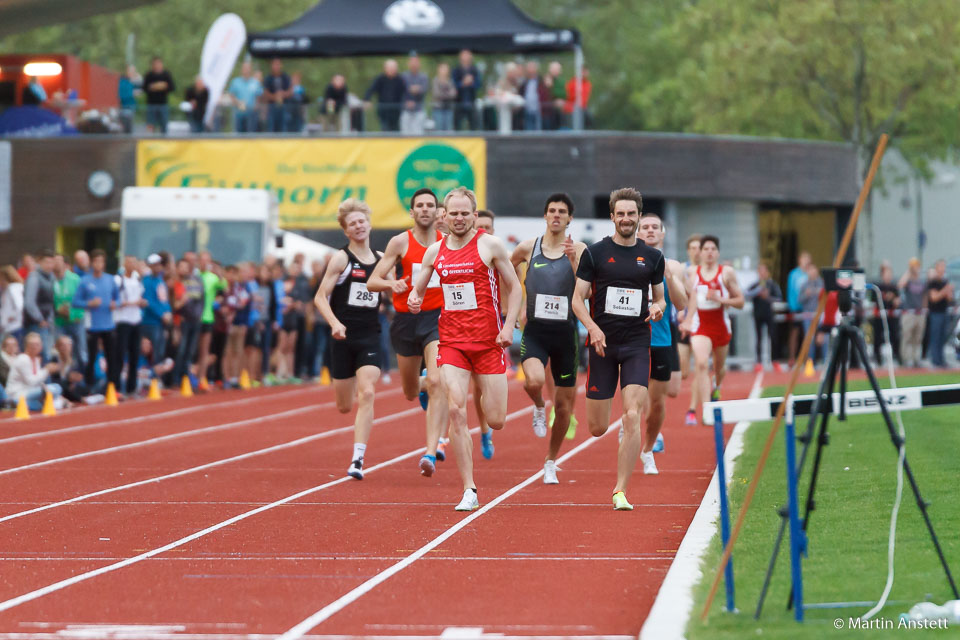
{"x": 848, "y": 339}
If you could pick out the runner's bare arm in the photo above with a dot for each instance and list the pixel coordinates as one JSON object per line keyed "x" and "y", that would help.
{"x": 657, "y": 303}
{"x": 686, "y": 325}
{"x": 521, "y": 256}
{"x": 676, "y": 284}
{"x": 500, "y": 261}
{"x": 334, "y": 268}
{"x": 382, "y": 277}
{"x": 736, "y": 298}
{"x": 597, "y": 340}
{"x": 415, "y": 298}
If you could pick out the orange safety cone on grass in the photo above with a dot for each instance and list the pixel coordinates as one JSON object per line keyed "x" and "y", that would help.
{"x": 186, "y": 390}
{"x": 154, "y": 393}
{"x": 23, "y": 413}
{"x": 111, "y": 399}
{"x": 48, "y": 408}
{"x": 244, "y": 379}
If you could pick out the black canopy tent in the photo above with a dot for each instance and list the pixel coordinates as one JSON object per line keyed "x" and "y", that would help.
{"x": 342, "y": 28}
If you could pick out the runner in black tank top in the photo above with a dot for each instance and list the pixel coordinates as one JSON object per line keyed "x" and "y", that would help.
{"x": 623, "y": 274}
{"x": 353, "y": 314}
{"x": 550, "y": 329}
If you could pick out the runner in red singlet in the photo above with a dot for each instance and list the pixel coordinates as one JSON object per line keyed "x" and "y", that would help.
{"x": 472, "y": 336}
{"x": 716, "y": 288}
{"x": 415, "y": 337}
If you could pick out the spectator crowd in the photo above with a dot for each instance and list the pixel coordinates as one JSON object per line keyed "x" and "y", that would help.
{"x": 524, "y": 97}
{"x": 919, "y": 309}
{"x": 70, "y": 328}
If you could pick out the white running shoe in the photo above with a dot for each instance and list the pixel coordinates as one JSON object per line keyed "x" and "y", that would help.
{"x": 550, "y": 472}
{"x": 355, "y": 470}
{"x": 649, "y": 466}
{"x": 540, "y": 421}
{"x": 469, "y": 501}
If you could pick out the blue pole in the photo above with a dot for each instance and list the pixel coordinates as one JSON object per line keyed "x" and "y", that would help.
{"x": 797, "y": 536}
{"x": 724, "y": 508}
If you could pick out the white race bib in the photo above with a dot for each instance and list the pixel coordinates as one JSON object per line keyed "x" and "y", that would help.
{"x": 434, "y": 277}
{"x": 459, "y": 297}
{"x": 624, "y": 302}
{"x": 551, "y": 307}
{"x": 361, "y": 297}
{"x": 702, "y": 302}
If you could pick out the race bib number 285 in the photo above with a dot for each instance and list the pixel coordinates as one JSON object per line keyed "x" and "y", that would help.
{"x": 361, "y": 297}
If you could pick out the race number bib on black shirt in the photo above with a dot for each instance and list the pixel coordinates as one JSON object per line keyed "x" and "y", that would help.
{"x": 621, "y": 278}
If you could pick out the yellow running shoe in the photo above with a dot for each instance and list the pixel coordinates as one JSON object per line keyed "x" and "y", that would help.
{"x": 572, "y": 429}
{"x": 620, "y": 502}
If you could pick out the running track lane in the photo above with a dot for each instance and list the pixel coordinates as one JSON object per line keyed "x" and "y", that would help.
{"x": 586, "y": 570}
{"x": 152, "y": 516}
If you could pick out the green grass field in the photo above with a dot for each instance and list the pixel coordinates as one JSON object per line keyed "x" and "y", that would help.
{"x": 848, "y": 532}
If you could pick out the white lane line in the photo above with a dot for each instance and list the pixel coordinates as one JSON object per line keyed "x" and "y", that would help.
{"x": 93, "y": 631}
{"x": 62, "y": 584}
{"x": 671, "y": 610}
{"x": 354, "y": 558}
{"x": 301, "y": 629}
{"x": 153, "y": 416}
{"x": 209, "y": 465}
{"x": 168, "y": 437}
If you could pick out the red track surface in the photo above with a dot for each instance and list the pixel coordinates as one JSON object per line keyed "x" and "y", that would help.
{"x": 547, "y": 561}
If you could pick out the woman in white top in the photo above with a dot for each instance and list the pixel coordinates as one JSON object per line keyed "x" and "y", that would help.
{"x": 28, "y": 375}
{"x": 11, "y": 302}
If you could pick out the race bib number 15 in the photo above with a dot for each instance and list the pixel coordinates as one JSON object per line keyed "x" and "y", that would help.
{"x": 459, "y": 297}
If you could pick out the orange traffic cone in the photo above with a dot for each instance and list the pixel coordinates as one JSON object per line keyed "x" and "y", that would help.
{"x": 111, "y": 399}
{"x": 325, "y": 377}
{"x": 244, "y": 379}
{"x": 808, "y": 370}
{"x": 48, "y": 408}
{"x": 23, "y": 413}
{"x": 185, "y": 389}
{"x": 154, "y": 393}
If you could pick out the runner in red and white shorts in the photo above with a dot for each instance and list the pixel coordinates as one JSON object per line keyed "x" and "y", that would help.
{"x": 472, "y": 337}
{"x": 716, "y": 289}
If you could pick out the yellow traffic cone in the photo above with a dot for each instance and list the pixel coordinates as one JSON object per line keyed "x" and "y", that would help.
{"x": 244, "y": 379}
{"x": 185, "y": 389}
{"x": 808, "y": 370}
{"x": 325, "y": 377}
{"x": 48, "y": 408}
{"x": 111, "y": 399}
{"x": 154, "y": 393}
{"x": 23, "y": 413}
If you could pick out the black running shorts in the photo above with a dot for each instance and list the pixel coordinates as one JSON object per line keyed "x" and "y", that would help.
{"x": 663, "y": 362}
{"x": 629, "y": 363}
{"x": 410, "y": 333}
{"x": 347, "y": 356}
{"x": 560, "y": 344}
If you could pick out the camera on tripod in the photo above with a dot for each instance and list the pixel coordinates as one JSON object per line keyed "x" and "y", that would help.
{"x": 845, "y": 281}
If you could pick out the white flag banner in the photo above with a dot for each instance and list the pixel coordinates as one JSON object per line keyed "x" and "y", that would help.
{"x": 221, "y": 48}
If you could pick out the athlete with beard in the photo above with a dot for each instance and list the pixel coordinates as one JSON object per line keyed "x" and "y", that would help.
{"x": 626, "y": 277}
{"x": 415, "y": 336}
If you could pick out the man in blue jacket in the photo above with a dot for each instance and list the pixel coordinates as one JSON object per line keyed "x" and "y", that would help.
{"x": 157, "y": 315}
{"x": 98, "y": 293}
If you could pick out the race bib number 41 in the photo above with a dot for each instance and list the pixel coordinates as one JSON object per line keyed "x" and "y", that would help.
{"x": 624, "y": 302}
{"x": 361, "y": 297}
{"x": 551, "y": 307}
{"x": 459, "y": 297}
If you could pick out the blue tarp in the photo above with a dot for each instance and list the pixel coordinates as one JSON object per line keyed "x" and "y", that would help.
{"x": 33, "y": 122}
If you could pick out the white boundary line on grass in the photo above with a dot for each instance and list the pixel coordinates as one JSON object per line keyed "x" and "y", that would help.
{"x": 63, "y": 584}
{"x": 301, "y": 629}
{"x": 163, "y": 414}
{"x": 671, "y": 610}
{"x": 208, "y": 465}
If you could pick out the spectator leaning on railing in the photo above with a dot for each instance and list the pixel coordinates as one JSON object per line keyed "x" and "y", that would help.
{"x": 276, "y": 90}
{"x": 467, "y": 80}
{"x": 157, "y": 85}
{"x": 389, "y": 88}
{"x": 244, "y": 91}
{"x": 444, "y": 98}
{"x": 413, "y": 118}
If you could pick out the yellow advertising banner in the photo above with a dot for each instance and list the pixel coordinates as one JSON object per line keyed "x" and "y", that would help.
{"x": 310, "y": 177}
